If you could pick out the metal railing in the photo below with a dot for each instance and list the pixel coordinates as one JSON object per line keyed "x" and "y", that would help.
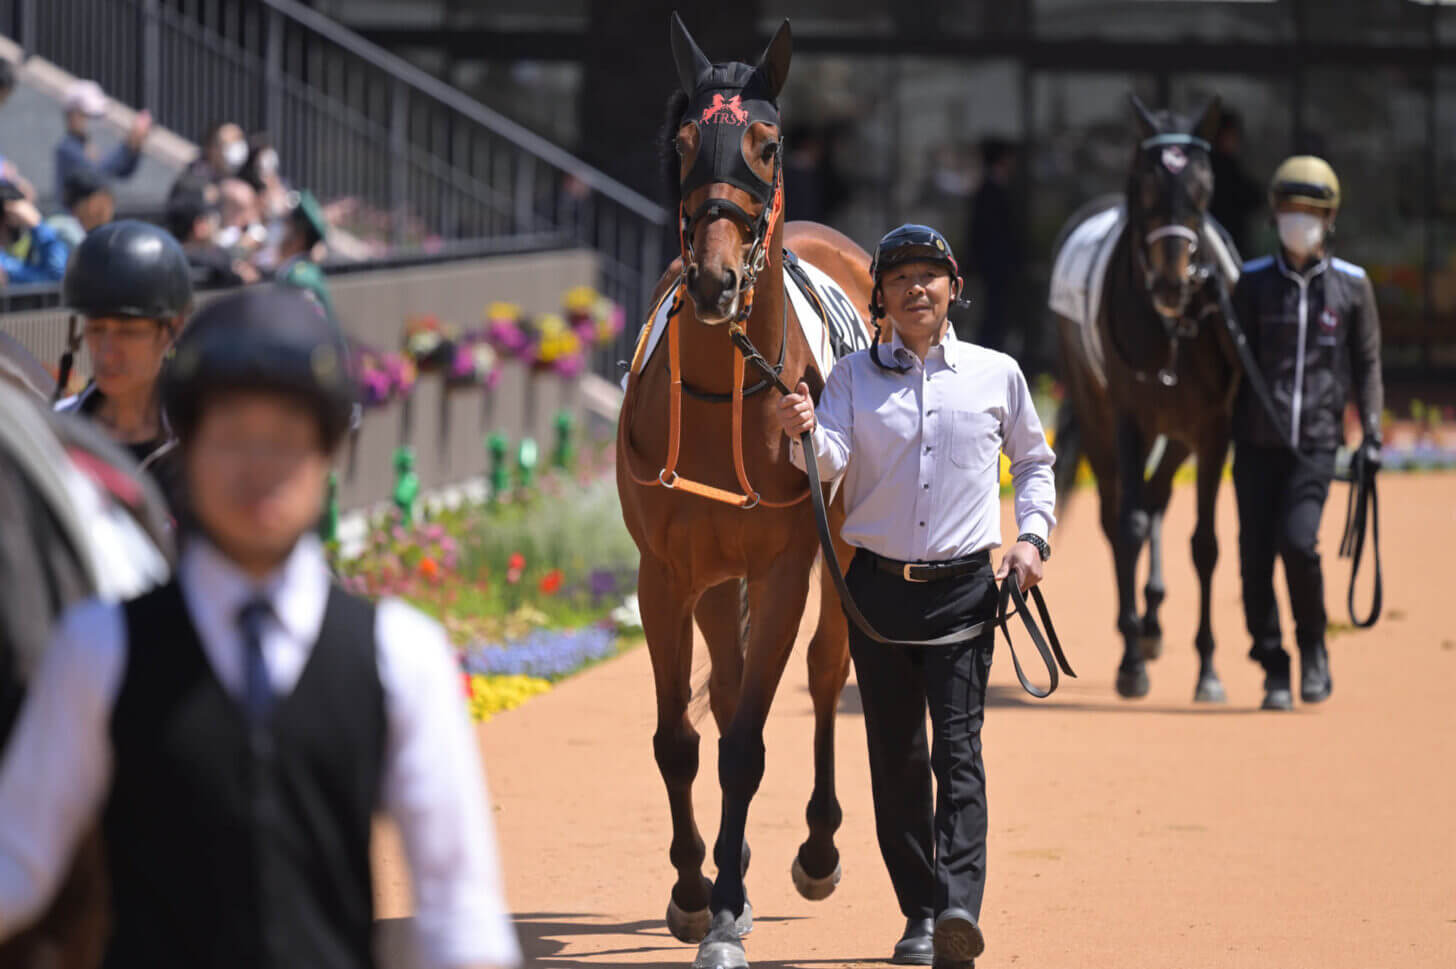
{"x": 426, "y": 164}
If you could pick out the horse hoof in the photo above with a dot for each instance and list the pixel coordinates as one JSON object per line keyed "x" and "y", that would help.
{"x": 1151, "y": 646}
{"x": 1132, "y": 684}
{"x": 815, "y": 889}
{"x": 744, "y": 922}
{"x": 691, "y": 927}
{"x": 1210, "y": 690}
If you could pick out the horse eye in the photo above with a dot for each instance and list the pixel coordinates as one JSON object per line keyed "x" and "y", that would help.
{"x": 769, "y": 150}
{"x": 677, "y": 146}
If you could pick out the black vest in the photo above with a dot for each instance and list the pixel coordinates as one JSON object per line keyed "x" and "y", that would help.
{"x": 234, "y": 849}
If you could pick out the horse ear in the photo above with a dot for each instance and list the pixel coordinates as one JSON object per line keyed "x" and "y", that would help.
{"x": 691, "y": 62}
{"x": 773, "y": 66}
{"x": 1147, "y": 124}
{"x": 1207, "y": 125}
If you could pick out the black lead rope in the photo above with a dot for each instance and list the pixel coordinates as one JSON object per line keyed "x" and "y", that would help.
{"x": 1362, "y": 506}
{"x": 68, "y": 359}
{"x": 1048, "y": 646}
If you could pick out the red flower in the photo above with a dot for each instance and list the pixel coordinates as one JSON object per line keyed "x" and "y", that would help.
{"x": 469, "y": 690}
{"x": 517, "y": 562}
{"x": 429, "y": 569}
{"x": 551, "y": 582}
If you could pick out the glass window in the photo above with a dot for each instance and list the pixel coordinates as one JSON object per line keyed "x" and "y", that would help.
{"x": 1370, "y": 126}
{"x": 1200, "y": 20}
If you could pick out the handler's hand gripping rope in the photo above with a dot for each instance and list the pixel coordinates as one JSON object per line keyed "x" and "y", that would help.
{"x": 1010, "y": 592}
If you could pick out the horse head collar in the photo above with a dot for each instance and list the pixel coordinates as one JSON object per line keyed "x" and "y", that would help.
{"x": 1168, "y": 194}
{"x": 725, "y": 103}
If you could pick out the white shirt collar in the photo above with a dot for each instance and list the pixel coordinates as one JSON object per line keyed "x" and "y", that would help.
{"x": 949, "y": 347}
{"x": 297, "y": 590}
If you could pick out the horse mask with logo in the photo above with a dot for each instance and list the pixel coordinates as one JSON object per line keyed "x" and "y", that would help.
{"x": 724, "y": 99}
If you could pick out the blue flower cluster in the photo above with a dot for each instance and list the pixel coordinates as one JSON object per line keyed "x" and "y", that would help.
{"x": 547, "y": 653}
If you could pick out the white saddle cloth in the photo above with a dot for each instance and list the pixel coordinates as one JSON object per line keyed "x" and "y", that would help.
{"x": 1078, "y": 274}
{"x": 848, "y": 329}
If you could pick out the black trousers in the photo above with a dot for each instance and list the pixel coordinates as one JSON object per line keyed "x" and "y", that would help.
{"x": 1280, "y": 501}
{"x": 936, "y": 855}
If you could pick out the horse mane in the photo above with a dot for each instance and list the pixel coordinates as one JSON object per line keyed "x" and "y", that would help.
{"x": 667, "y": 149}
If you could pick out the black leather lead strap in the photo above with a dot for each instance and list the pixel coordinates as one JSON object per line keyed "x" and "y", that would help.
{"x": 1051, "y": 654}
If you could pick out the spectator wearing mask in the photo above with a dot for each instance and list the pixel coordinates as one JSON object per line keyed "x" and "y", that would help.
{"x": 224, "y": 151}
{"x": 193, "y": 217}
{"x": 242, "y": 230}
{"x": 84, "y": 101}
{"x": 89, "y": 203}
{"x": 44, "y": 259}
{"x": 261, "y": 172}
{"x": 307, "y": 231}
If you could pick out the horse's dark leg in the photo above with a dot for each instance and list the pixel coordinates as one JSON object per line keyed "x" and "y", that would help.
{"x": 667, "y": 623}
{"x": 1132, "y": 532}
{"x": 1211, "y": 454}
{"x": 1157, "y": 491}
{"x": 776, "y": 601}
{"x": 816, "y": 869}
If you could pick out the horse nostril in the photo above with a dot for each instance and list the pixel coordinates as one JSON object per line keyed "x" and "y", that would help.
{"x": 730, "y": 280}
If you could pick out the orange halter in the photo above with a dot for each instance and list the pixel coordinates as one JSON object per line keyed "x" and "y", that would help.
{"x": 668, "y": 476}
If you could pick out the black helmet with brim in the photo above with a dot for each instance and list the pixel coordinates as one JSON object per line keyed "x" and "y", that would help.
{"x": 912, "y": 242}
{"x": 264, "y": 338}
{"x": 128, "y": 268}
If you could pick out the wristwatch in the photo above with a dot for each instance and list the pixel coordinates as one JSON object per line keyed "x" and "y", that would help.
{"x": 1037, "y": 542}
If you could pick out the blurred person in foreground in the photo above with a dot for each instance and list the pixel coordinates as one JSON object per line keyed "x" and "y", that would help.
{"x": 131, "y": 283}
{"x": 194, "y": 217}
{"x": 41, "y": 254}
{"x": 236, "y": 729}
{"x": 1314, "y": 329}
{"x": 995, "y": 241}
{"x": 85, "y": 101}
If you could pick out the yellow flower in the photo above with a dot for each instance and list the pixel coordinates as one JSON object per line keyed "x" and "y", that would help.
{"x": 502, "y": 311}
{"x": 491, "y": 694}
{"x": 580, "y": 299}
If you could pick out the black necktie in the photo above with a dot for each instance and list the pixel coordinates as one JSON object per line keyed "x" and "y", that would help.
{"x": 257, "y": 692}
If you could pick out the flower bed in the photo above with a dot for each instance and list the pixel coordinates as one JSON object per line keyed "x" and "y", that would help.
{"x": 529, "y": 591}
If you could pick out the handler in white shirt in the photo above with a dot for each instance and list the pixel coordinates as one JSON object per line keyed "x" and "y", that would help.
{"x": 234, "y": 730}
{"x": 916, "y": 428}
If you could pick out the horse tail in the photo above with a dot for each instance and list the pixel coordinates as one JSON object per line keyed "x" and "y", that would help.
{"x": 1068, "y": 449}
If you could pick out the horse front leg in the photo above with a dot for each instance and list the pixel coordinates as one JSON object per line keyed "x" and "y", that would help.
{"x": 1211, "y": 455}
{"x": 1157, "y": 491}
{"x": 667, "y": 624}
{"x": 1132, "y": 532}
{"x": 776, "y": 601}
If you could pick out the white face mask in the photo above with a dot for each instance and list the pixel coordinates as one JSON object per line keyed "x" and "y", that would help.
{"x": 267, "y": 163}
{"x": 234, "y": 154}
{"x": 1300, "y": 232}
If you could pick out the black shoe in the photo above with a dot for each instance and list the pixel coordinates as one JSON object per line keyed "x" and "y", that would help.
{"x": 1315, "y": 684}
{"x": 915, "y": 947}
{"x": 958, "y": 939}
{"x": 1277, "y": 693}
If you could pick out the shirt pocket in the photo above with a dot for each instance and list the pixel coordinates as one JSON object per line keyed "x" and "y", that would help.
{"x": 975, "y": 439}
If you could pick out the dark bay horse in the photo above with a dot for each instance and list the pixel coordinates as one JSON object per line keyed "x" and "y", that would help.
{"x": 1167, "y": 369}
{"x": 51, "y": 556}
{"x": 733, "y": 508}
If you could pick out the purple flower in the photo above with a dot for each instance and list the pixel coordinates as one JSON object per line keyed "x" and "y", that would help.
{"x": 602, "y": 583}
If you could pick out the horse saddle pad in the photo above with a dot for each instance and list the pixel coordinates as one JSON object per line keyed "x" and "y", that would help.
{"x": 1078, "y": 274}
{"x": 826, "y": 314}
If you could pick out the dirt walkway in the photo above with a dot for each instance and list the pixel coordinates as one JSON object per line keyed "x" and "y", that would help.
{"x": 1147, "y": 834}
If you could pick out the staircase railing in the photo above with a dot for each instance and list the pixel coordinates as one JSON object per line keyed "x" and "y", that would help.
{"x": 424, "y": 165}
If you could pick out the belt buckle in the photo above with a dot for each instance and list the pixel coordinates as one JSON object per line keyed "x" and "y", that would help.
{"x": 905, "y": 572}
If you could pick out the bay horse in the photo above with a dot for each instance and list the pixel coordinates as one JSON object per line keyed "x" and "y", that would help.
{"x": 709, "y": 552}
{"x": 1167, "y": 369}
{"x": 52, "y": 555}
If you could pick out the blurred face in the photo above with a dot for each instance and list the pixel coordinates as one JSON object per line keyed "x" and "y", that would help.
{"x": 229, "y": 149}
{"x": 256, "y": 474}
{"x": 126, "y": 353}
{"x": 917, "y": 298}
{"x": 98, "y": 209}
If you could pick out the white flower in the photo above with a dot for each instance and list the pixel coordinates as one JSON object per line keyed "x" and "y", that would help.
{"x": 628, "y": 615}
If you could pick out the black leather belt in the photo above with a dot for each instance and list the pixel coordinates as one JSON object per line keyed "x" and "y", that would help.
{"x": 929, "y": 571}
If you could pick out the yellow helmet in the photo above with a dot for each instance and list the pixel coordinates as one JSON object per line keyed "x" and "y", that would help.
{"x": 1305, "y": 178}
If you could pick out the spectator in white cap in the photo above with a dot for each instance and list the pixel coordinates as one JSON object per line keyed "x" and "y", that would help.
{"x": 84, "y": 101}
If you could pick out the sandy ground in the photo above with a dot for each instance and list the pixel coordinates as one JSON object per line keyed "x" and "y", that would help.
{"x": 1128, "y": 834}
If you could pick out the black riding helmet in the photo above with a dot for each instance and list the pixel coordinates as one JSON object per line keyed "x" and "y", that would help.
{"x": 128, "y": 268}
{"x": 910, "y": 242}
{"x": 264, "y": 338}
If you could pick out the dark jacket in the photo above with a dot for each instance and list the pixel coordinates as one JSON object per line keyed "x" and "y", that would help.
{"x": 1315, "y": 336}
{"x": 71, "y": 155}
{"x": 160, "y": 458}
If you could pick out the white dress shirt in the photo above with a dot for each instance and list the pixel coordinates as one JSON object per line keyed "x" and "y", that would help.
{"x": 57, "y": 771}
{"x": 920, "y": 452}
